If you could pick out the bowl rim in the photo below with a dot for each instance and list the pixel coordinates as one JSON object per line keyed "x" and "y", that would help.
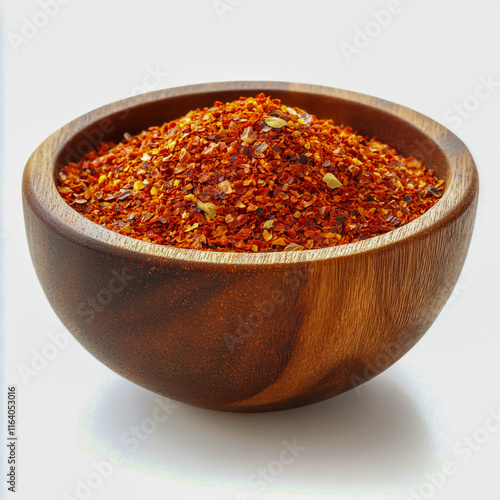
{"x": 40, "y": 192}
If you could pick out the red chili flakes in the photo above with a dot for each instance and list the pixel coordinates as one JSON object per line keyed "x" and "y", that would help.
{"x": 251, "y": 175}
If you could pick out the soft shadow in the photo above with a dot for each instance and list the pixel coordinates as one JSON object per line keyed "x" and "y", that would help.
{"x": 375, "y": 437}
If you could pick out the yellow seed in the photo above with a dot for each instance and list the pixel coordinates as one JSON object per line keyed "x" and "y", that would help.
{"x": 332, "y": 181}
{"x": 154, "y": 191}
{"x": 190, "y": 197}
{"x": 255, "y": 248}
{"x": 274, "y": 122}
{"x": 267, "y": 235}
{"x": 138, "y": 186}
{"x": 145, "y": 157}
{"x": 307, "y": 145}
{"x": 102, "y": 178}
{"x": 177, "y": 182}
{"x": 357, "y": 162}
{"x": 209, "y": 208}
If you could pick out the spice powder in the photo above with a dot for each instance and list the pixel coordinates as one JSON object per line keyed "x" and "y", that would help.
{"x": 251, "y": 175}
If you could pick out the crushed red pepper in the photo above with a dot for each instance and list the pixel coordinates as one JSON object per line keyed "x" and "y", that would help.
{"x": 251, "y": 175}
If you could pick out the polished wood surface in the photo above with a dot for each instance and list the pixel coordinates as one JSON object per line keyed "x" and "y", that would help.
{"x": 250, "y": 332}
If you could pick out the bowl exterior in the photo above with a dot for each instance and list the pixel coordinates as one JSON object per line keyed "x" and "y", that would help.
{"x": 246, "y": 337}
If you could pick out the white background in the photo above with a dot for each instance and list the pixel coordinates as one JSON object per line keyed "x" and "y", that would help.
{"x": 384, "y": 441}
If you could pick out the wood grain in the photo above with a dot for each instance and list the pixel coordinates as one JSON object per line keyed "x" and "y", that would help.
{"x": 250, "y": 332}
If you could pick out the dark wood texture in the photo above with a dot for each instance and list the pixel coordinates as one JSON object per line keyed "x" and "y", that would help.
{"x": 250, "y": 332}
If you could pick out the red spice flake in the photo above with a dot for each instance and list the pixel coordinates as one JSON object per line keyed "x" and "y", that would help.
{"x": 225, "y": 187}
{"x": 293, "y": 247}
{"x": 260, "y": 148}
{"x": 251, "y": 175}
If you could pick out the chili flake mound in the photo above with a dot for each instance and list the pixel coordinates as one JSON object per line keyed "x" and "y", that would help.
{"x": 253, "y": 175}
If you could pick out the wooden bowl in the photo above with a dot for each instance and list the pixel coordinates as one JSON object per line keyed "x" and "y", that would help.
{"x": 250, "y": 332}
